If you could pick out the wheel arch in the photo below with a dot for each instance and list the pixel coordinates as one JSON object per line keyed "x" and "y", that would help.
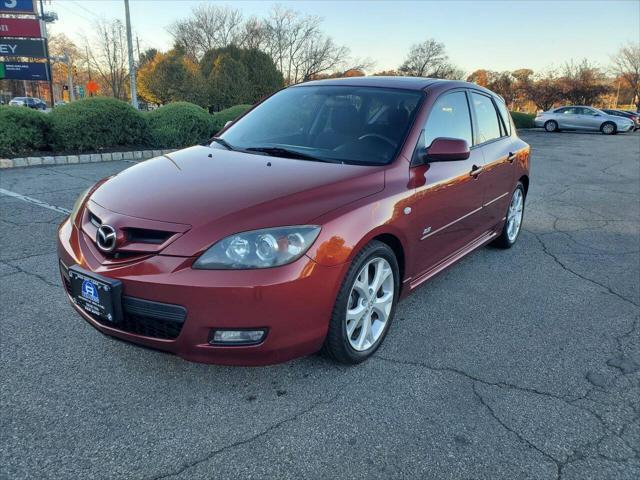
{"x": 394, "y": 244}
{"x": 525, "y": 183}
{"x": 615, "y": 127}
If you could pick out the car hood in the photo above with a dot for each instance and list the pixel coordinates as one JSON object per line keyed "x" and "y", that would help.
{"x": 219, "y": 192}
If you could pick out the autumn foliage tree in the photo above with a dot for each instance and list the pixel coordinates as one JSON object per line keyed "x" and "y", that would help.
{"x": 626, "y": 65}
{"x": 170, "y": 77}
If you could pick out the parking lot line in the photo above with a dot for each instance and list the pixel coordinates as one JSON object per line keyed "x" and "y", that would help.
{"x": 34, "y": 201}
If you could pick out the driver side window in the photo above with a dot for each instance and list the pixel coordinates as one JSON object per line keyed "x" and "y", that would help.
{"x": 449, "y": 117}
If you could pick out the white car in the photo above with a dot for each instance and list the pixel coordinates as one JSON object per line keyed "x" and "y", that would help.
{"x": 582, "y": 118}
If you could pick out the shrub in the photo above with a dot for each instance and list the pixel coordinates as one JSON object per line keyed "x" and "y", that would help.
{"x": 231, "y": 113}
{"x": 22, "y": 130}
{"x": 523, "y": 120}
{"x": 179, "y": 124}
{"x": 97, "y": 123}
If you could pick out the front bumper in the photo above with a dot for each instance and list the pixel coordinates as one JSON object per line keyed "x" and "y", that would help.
{"x": 294, "y": 302}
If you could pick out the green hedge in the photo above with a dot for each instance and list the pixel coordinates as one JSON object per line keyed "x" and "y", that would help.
{"x": 97, "y": 123}
{"x": 523, "y": 120}
{"x": 106, "y": 123}
{"x": 231, "y": 113}
{"x": 179, "y": 124}
{"x": 22, "y": 130}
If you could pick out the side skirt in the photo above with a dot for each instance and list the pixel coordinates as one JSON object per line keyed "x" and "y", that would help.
{"x": 453, "y": 258}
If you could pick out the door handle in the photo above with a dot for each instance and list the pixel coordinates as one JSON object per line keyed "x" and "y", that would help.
{"x": 511, "y": 157}
{"x": 475, "y": 171}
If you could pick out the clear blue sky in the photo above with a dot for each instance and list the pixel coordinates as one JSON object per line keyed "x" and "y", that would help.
{"x": 497, "y": 35}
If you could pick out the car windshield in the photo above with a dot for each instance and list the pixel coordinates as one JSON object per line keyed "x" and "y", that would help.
{"x": 356, "y": 125}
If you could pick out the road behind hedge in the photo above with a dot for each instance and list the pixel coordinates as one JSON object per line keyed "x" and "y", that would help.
{"x": 512, "y": 364}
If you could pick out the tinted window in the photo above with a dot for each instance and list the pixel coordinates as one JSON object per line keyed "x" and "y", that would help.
{"x": 360, "y": 125}
{"x": 486, "y": 117}
{"x": 504, "y": 113}
{"x": 450, "y": 118}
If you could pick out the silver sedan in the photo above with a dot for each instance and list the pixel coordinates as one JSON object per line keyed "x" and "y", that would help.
{"x": 582, "y": 118}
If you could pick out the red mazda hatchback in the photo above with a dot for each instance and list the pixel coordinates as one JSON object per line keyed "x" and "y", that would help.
{"x": 300, "y": 226}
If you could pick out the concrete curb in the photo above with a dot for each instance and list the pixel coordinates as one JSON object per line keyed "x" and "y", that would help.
{"x": 136, "y": 156}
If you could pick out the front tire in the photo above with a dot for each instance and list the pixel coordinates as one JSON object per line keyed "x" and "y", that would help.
{"x": 551, "y": 126}
{"x": 608, "y": 128}
{"x": 513, "y": 222}
{"x": 365, "y": 305}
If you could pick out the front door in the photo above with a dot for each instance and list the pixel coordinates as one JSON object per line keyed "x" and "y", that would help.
{"x": 448, "y": 197}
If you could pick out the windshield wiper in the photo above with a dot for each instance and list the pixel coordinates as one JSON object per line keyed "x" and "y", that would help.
{"x": 222, "y": 142}
{"x": 287, "y": 153}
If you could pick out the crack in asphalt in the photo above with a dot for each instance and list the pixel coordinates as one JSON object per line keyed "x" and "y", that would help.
{"x": 578, "y": 453}
{"x": 555, "y": 257}
{"x": 245, "y": 441}
{"x": 27, "y": 272}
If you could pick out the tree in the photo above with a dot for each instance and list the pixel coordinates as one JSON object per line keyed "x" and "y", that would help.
{"x": 298, "y": 47}
{"x": 170, "y": 77}
{"x": 209, "y": 27}
{"x": 108, "y": 56}
{"x": 263, "y": 77}
{"x": 146, "y": 56}
{"x": 545, "y": 91}
{"x": 227, "y": 84}
{"x": 626, "y": 65}
{"x": 582, "y": 83}
{"x": 429, "y": 59}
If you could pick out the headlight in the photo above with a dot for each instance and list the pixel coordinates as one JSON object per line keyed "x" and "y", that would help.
{"x": 270, "y": 247}
{"x": 77, "y": 204}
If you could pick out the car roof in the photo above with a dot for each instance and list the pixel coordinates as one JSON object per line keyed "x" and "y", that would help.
{"x": 406, "y": 83}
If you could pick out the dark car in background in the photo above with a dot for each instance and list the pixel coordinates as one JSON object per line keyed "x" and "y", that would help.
{"x": 633, "y": 116}
{"x": 301, "y": 225}
{"x": 30, "y": 102}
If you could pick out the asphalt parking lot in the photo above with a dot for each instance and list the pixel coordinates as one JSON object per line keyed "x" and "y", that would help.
{"x": 512, "y": 364}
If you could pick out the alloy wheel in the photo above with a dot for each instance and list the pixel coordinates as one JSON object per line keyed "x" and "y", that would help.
{"x": 514, "y": 215}
{"x": 369, "y": 305}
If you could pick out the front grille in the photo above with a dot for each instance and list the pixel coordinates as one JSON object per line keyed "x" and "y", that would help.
{"x": 143, "y": 235}
{"x": 150, "y": 319}
{"x": 142, "y": 317}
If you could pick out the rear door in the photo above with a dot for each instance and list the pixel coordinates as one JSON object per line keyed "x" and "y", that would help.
{"x": 493, "y": 139}
{"x": 448, "y": 204}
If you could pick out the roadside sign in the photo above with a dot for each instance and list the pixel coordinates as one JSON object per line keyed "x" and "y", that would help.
{"x": 20, "y": 27}
{"x": 18, "y": 6}
{"x": 10, "y": 47}
{"x": 23, "y": 71}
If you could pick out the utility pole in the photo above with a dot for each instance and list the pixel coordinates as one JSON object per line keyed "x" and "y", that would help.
{"x": 132, "y": 65}
{"x": 46, "y": 52}
{"x": 67, "y": 60}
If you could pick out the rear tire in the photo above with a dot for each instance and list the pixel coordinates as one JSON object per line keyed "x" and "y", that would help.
{"x": 551, "y": 126}
{"x": 513, "y": 222}
{"x": 608, "y": 128}
{"x": 365, "y": 305}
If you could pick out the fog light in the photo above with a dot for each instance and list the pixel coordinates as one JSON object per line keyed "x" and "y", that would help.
{"x": 236, "y": 337}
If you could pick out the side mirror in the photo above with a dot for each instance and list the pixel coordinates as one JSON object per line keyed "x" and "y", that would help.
{"x": 444, "y": 149}
{"x": 229, "y": 122}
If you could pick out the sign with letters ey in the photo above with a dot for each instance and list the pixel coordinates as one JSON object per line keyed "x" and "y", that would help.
{"x": 20, "y": 27}
{"x": 23, "y": 71}
{"x": 18, "y": 6}
{"x": 10, "y": 47}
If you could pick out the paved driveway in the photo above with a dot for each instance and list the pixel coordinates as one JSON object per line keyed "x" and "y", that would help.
{"x": 512, "y": 364}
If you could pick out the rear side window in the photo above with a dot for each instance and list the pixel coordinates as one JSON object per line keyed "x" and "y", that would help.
{"x": 450, "y": 118}
{"x": 486, "y": 117}
{"x": 504, "y": 113}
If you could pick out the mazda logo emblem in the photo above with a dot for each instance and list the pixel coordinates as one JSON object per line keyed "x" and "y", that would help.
{"x": 106, "y": 238}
